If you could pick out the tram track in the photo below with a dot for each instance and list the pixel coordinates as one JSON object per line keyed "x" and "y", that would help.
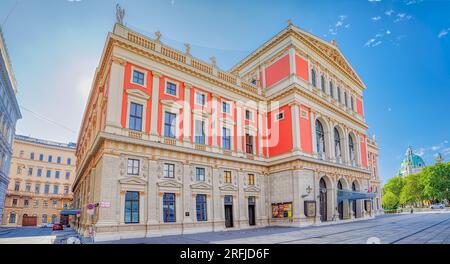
{"x": 420, "y": 231}
{"x": 360, "y": 228}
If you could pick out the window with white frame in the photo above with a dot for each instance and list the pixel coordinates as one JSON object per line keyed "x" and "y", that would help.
{"x": 200, "y": 174}
{"x": 171, "y": 88}
{"x": 248, "y": 115}
{"x": 169, "y": 170}
{"x": 226, "y": 138}
{"x": 169, "y": 124}
{"x": 248, "y": 144}
{"x": 138, "y": 77}
{"x": 133, "y": 167}
{"x": 200, "y": 98}
{"x": 199, "y": 132}
{"x": 226, "y": 107}
{"x": 135, "y": 121}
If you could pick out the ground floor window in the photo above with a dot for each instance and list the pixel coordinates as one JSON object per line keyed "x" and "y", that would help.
{"x": 54, "y": 219}
{"x": 132, "y": 207}
{"x": 44, "y": 218}
{"x": 169, "y": 207}
{"x": 12, "y": 218}
{"x": 201, "y": 207}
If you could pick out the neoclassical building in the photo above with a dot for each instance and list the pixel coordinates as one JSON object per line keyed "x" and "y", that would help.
{"x": 41, "y": 177}
{"x": 171, "y": 144}
{"x": 9, "y": 114}
{"x": 411, "y": 164}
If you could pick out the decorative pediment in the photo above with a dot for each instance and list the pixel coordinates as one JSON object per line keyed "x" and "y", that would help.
{"x": 228, "y": 188}
{"x": 252, "y": 189}
{"x": 170, "y": 184}
{"x": 332, "y": 53}
{"x": 171, "y": 104}
{"x": 133, "y": 181}
{"x": 137, "y": 93}
{"x": 201, "y": 186}
{"x": 227, "y": 121}
{"x": 201, "y": 113}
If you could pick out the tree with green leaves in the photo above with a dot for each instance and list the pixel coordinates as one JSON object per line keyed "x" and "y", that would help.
{"x": 437, "y": 182}
{"x": 390, "y": 201}
{"x": 394, "y": 185}
{"x": 412, "y": 192}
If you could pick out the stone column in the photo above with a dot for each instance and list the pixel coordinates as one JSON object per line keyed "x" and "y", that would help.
{"x": 260, "y": 131}
{"x": 218, "y": 218}
{"x": 152, "y": 193}
{"x": 292, "y": 62}
{"x": 345, "y": 148}
{"x": 295, "y": 114}
{"x": 298, "y": 213}
{"x": 116, "y": 81}
{"x": 332, "y": 151}
{"x": 313, "y": 132}
{"x": 187, "y": 113}
{"x": 242, "y": 202}
{"x": 155, "y": 103}
{"x": 187, "y": 195}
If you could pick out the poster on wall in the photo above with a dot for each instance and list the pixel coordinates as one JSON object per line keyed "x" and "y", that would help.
{"x": 310, "y": 208}
{"x": 282, "y": 210}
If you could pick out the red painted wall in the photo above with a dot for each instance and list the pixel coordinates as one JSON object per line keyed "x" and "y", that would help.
{"x": 363, "y": 151}
{"x": 280, "y": 138}
{"x": 277, "y": 71}
{"x": 359, "y": 107}
{"x": 305, "y": 130}
{"x": 301, "y": 68}
{"x": 146, "y": 89}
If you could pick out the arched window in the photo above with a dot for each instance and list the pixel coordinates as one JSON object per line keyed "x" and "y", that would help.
{"x": 331, "y": 89}
{"x": 313, "y": 77}
{"x": 337, "y": 144}
{"x": 339, "y": 185}
{"x": 353, "y": 186}
{"x": 320, "y": 137}
{"x": 322, "y": 83}
{"x": 32, "y": 155}
{"x": 351, "y": 147}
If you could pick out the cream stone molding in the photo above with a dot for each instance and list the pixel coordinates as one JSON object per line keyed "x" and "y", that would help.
{"x": 187, "y": 85}
{"x": 137, "y": 93}
{"x": 227, "y": 121}
{"x": 157, "y": 74}
{"x": 169, "y": 184}
{"x": 119, "y": 61}
{"x": 201, "y": 186}
{"x": 171, "y": 104}
{"x": 201, "y": 113}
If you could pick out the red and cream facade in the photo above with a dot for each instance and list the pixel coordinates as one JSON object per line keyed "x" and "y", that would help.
{"x": 271, "y": 101}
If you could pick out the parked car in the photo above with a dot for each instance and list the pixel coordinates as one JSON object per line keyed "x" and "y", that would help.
{"x": 47, "y": 225}
{"x": 437, "y": 206}
{"x": 58, "y": 227}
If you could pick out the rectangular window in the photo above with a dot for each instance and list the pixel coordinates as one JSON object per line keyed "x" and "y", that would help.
{"x": 28, "y": 187}
{"x": 345, "y": 99}
{"x": 41, "y": 157}
{"x": 169, "y": 215}
{"x": 248, "y": 115}
{"x": 226, "y": 108}
{"x": 56, "y": 174}
{"x": 37, "y": 188}
{"x": 66, "y": 189}
{"x": 200, "y": 98}
{"x": 58, "y": 160}
{"x": 50, "y": 158}
{"x": 133, "y": 167}
{"x": 36, "y": 203}
{"x": 352, "y": 103}
{"x": 251, "y": 179}
{"x": 169, "y": 170}
{"x": 49, "y": 173}
{"x": 45, "y": 204}
{"x": 47, "y": 188}
{"x": 138, "y": 77}
{"x": 201, "y": 207}
{"x": 26, "y": 203}
{"x": 135, "y": 122}
{"x": 55, "y": 203}
{"x": 39, "y": 172}
{"x": 339, "y": 94}
{"x": 17, "y": 186}
{"x": 200, "y": 174}
{"x": 171, "y": 88}
{"x": 227, "y": 176}
{"x": 199, "y": 132}
{"x": 226, "y": 138}
{"x": 14, "y": 202}
{"x": 69, "y": 161}
{"x": 44, "y": 218}
{"x": 249, "y": 143}
{"x": 67, "y": 175}
{"x": 32, "y": 155}
{"x": 169, "y": 124}
{"x": 30, "y": 171}
{"x": 55, "y": 189}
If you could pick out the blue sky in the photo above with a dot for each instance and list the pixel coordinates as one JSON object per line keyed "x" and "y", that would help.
{"x": 401, "y": 50}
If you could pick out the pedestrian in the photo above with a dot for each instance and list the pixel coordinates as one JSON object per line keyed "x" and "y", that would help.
{"x": 412, "y": 210}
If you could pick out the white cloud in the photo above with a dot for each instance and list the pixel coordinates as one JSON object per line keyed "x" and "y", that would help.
{"x": 402, "y": 17}
{"x": 340, "y": 23}
{"x": 373, "y": 1}
{"x": 388, "y": 32}
{"x": 389, "y": 12}
{"x": 443, "y": 33}
{"x": 412, "y": 2}
{"x": 446, "y": 152}
{"x": 376, "y": 18}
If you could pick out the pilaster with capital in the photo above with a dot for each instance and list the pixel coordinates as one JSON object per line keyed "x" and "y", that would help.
{"x": 155, "y": 103}
{"x": 116, "y": 81}
{"x": 187, "y": 115}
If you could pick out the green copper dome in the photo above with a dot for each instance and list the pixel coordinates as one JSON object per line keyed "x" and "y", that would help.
{"x": 412, "y": 163}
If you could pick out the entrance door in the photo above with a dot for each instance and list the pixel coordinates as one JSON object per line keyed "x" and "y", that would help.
{"x": 228, "y": 202}
{"x": 29, "y": 220}
{"x": 251, "y": 210}
{"x": 341, "y": 203}
{"x": 323, "y": 200}
{"x": 228, "y": 216}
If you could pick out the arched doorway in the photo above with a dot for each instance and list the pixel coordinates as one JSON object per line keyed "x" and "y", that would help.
{"x": 323, "y": 200}
{"x": 340, "y": 203}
